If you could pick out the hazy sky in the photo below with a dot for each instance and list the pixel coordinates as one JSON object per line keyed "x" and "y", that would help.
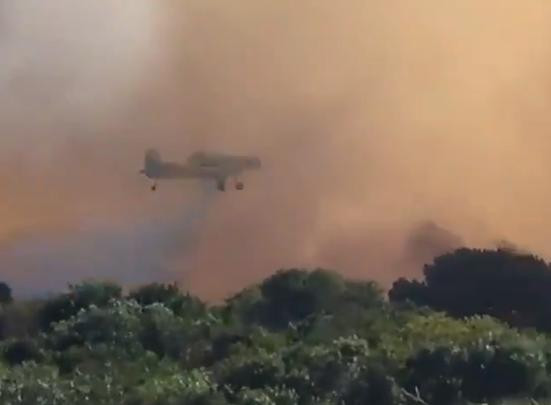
{"x": 371, "y": 116}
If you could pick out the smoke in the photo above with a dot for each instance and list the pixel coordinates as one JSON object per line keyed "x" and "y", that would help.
{"x": 370, "y": 118}
{"x": 73, "y": 204}
{"x": 153, "y": 249}
{"x": 428, "y": 240}
{"x": 374, "y": 116}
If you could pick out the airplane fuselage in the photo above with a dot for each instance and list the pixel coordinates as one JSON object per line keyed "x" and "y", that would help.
{"x": 177, "y": 171}
{"x": 200, "y": 165}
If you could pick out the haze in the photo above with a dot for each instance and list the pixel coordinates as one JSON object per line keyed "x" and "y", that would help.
{"x": 389, "y": 131}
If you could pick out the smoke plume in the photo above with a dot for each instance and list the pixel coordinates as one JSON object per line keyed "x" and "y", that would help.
{"x": 370, "y": 118}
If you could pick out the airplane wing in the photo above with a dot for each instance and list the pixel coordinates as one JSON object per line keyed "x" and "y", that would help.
{"x": 174, "y": 171}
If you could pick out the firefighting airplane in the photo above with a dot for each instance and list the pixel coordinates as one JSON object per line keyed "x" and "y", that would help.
{"x": 200, "y": 165}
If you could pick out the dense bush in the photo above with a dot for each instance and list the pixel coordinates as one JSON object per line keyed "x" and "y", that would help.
{"x": 293, "y": 296}
{"x": 5, "y": 294}
{"x": 80, "y": 296}
{"x": 298, "y": 338}
{"x": 510, "y": 286}
{"x": 171, "y": 296}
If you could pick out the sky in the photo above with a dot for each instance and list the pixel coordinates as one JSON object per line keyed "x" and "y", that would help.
{"x": 390, "y": 131}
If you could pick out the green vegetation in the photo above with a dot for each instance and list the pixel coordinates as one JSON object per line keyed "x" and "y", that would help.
{"x": 299, "y": 337}
{"x": 510, "y": 286}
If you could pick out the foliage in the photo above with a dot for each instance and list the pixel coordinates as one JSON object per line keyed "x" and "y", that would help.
{"x": 5, "y": 294}
{"x": 297, "y": 338}
{"x": 292, "y": 296}
{"x": 169, "y": 295}
{"x": 79, "y": 297}
{"x": 510, "y": 286}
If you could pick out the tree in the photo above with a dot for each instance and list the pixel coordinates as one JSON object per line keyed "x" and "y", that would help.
{"x": 510, "y": 286}
{"x": 294, "y": 295}
{"x": 5, "y": 294}
{"x": 258, "y": 369}
{"x": 20, "y": 351}
{"x": 298, "y": 338}
{"x": 155, "y": 293}
{"x": 169, "y": 295}
{"x": 80, "y": 296}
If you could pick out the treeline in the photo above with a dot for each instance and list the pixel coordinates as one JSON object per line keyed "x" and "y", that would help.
{"x": 474, "y": 330}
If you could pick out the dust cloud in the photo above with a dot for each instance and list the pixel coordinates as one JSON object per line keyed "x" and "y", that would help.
{"x": 371, "y": 117}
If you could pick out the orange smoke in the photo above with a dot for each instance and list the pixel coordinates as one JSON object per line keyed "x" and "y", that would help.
{"x": 371, "y": 117}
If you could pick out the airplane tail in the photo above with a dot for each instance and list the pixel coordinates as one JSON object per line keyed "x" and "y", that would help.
{"x": 152, "y": 163}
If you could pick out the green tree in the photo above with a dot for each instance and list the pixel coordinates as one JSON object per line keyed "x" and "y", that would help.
{"x": 80, "y": 296}
{"x": 298, "y": 338}
{"x": 292, "y": 296}
{"x": 510, "y": 286}
{"x": 171, "y": 296}
{"x": 5, "y": 294}
{"x": 20, "y": 351}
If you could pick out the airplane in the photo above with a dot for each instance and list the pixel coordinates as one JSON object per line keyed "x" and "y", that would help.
{"x": 200, "y": 165}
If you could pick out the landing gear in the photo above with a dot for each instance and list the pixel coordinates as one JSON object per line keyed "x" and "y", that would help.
{"x": 238, "y": 184}
{"x": 221, "y": 185}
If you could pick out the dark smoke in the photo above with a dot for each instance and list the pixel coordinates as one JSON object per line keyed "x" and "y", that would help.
{"x": 426, "y": 241}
